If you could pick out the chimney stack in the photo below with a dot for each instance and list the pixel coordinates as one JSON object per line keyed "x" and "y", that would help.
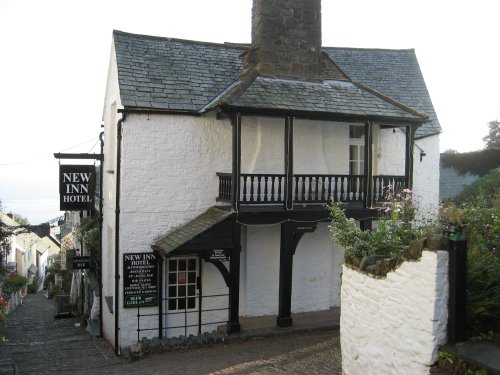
{"x": 286, "y": 41}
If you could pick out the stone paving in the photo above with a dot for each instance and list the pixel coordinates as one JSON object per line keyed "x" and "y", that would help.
{"x": 36, "y": 343}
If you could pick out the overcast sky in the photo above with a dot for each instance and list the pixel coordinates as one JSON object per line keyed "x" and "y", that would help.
{"x": 54, "y": 61}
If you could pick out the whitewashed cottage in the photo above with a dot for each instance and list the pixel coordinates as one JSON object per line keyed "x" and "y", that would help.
{"x": 219, "y": 160}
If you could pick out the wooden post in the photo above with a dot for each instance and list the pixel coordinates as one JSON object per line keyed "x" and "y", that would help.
{"x": 236, "y": 160}
{"x": 458, "y": 282}
{"x": 284, "y": 318}
{"x": 410, "y": 142}
{"x": 368, "y": 185}
{"x": 289, "y": 163}
{"x": 234, "y": 287}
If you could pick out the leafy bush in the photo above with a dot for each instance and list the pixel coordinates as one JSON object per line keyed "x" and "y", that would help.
{"x": 479, "y": 220}
{"x": 32, "y": 288}
{"x": 394, "y": 232}
{"x": 484, "y": 192}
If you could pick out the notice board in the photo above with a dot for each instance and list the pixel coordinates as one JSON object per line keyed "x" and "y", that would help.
{"x": 140, "y": 279}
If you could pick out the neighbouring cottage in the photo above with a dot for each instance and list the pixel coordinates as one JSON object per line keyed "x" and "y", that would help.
{"x": 219, "y": 160}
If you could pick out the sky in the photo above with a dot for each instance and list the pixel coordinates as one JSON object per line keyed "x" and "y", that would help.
{"x": 54, "y": 57}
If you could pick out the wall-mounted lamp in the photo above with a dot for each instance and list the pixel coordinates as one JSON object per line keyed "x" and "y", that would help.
{"x": 422, "y": 154}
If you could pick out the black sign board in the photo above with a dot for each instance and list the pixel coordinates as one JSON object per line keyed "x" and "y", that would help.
{"x": 219, "y": 254}
{"x": 81, "y": 263}
{"x": 140, "y": 279}
{"x": 76, "y": 187}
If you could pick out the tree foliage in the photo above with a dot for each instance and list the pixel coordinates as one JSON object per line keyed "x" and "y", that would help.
{"x": 492, "y": 140}
{"x": 475, "y": 162}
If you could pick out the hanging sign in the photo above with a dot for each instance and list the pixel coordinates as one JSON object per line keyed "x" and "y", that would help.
{"x": 81, "y": 263}
{"x": 140, "y": 279}
{"x": 76, "y": 187}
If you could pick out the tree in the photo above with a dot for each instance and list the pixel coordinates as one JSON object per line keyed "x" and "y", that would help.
{"x": 21, "y": 220}
{"x": 492, "y": 140}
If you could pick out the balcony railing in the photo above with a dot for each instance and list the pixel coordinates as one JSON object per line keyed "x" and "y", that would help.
{"x": 307, "y": 188}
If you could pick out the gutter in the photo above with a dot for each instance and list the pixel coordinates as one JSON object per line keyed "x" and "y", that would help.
{"x": 101, "y": 139}
{"x": 117, "y": 230}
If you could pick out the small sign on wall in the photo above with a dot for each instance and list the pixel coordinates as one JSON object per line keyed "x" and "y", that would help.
{"x": 219, "y": 254}
{"x": 140, "y": 279}
{"x": 76, "y": 187}
{"x": 81, "y": 263}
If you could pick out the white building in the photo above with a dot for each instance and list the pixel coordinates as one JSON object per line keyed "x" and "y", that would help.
{"x": 221, "y": 158}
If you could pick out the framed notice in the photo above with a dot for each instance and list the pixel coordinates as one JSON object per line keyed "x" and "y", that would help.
{"x": 140, "y": 279}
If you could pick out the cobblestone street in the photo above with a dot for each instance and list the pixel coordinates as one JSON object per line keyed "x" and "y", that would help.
{"x": 36, "y": 343}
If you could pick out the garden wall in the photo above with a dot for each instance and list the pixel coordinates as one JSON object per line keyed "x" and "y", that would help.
{"x": 394, "y": 324}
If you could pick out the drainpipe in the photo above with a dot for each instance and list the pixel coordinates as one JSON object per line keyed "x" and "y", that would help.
{"x": 117, "y": 229}
{"x": 101, "y": 139}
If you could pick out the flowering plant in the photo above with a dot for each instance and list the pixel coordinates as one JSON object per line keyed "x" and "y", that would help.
{"x": 4, "y": 303}
{"x": 394, "y": 231}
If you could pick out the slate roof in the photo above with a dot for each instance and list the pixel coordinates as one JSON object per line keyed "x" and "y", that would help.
{"x": 186, "y": 232}
{"x": 178, "y": 75}
{"x": 334, "y": 97}
{"x": 395, "y": 73}
{"x": 171, "y": 74}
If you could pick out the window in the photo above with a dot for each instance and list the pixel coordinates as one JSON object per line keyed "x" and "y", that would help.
{"x": 182, "y": 283}
{"x": 356, "y": 150}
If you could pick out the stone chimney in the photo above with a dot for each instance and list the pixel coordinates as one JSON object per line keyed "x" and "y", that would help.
{"x": 286, "y": 41}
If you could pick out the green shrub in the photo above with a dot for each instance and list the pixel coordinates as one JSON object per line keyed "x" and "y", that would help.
{"x": 32, "y": 288}
{"x": 13, "y": 283}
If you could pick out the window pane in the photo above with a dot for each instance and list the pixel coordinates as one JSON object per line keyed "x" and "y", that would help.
{"x": 361, "y": 152}
{"x": 352, "y": 167}
{"x": 182, "y": 304}
{"x": 191, "y": 290}
{"x": 191, "y": 277}
{"x": 191, "y": 303}
{"x": 172, "y": 265}
{"x": 356, "y": 131}
{"x": 172, "y": 304}
{"x": 172, "y": 291}
{"x": 181, "y": 278}
{"x": 182, "y": 264}
{"x": 192, "y": 264}
{"x": 172, "y": 278}
{"x": 353, "y": 155}
{"x": 182, "y": 290}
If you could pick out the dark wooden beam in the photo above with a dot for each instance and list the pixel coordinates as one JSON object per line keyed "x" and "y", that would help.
{"x": 410, "y": 143}
{"x": 234, "y": 285}
{"x": 291, "y": 233}
{"x": 79, "y": 156}
{"x": 289, "y": 163}
{"x": 236, "y": 160}
{"x": 368, "y": 185}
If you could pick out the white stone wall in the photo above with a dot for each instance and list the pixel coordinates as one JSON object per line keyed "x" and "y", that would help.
{"x": 426, "y": 176}
{"x": 394, "y": 325}
{"x": 169, "y": 166}
{"x": 316, "y": 271}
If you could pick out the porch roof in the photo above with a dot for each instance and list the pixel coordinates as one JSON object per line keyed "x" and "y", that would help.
{"x": 341, "y": 98}
{"x": 183, "y": 234}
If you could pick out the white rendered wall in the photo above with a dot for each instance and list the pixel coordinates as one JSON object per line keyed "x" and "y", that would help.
{"x": 395, "y": 325}
{"x": 110, "y": 117}
{"x": 168, "y": 177}
{"x": 260, "y": 271}
{"x": 426, "y": 176}
{"x": 314, "y": 263}
{"x": 389, "y": 150}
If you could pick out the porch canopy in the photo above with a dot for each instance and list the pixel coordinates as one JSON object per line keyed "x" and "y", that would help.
{"x": 210, "y": 230}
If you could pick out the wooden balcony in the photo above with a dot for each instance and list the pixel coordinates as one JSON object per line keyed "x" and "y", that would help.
{"x": 262, "y": 189}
